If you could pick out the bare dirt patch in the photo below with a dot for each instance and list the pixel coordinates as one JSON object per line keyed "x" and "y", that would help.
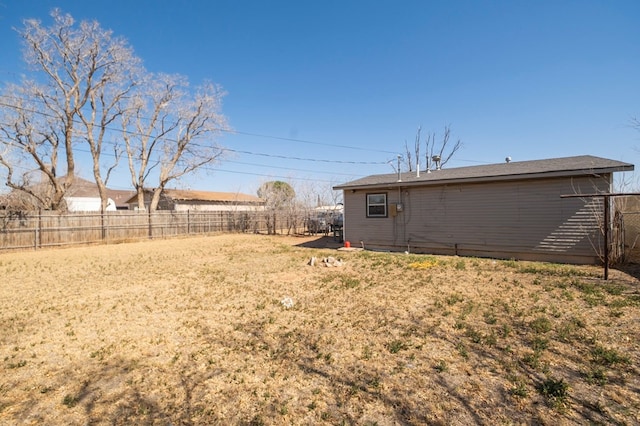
{"x": 240, "y": 329}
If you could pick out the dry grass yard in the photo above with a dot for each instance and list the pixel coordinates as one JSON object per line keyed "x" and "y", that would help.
{"x": 240, "y": 329}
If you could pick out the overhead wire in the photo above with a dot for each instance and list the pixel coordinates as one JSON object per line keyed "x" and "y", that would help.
{"x": 258, "y": 135}
{"x": 245, "y": 152}
{"x": 223, "y": 130}
{"x": 230, "y": 150}
{"x": 309, "y": 142}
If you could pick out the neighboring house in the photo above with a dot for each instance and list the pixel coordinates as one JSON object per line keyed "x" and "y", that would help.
{"x": 183, "y": 200}
{"x": 83, "y": 195}
{"x": 508, "y": 210}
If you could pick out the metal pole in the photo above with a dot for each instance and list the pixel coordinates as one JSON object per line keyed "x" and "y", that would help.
{"x": 606, "y": 237}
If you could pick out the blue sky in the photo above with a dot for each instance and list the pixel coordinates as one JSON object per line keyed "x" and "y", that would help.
{"x": 348, "y": 82}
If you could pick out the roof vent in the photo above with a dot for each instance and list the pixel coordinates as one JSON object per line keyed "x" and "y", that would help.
{"x": 436, "y": 160}
{"x": 508, "y": 159}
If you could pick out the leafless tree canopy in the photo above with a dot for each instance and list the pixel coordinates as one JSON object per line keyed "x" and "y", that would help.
{"x": 86, "y": 83}
{"x": 435, "y": 146}
{"x": 169, "y": 131}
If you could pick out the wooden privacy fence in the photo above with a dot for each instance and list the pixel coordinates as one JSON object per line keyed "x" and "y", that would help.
{"x": 22, "y": 230}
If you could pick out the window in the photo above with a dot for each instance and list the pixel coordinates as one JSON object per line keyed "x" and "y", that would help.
{"x": 376, "y": 205}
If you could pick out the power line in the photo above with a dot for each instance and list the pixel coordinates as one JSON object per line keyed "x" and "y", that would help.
{"x": 223, "y": 130}
{"x": 224, "y": 149}
{"x": 308, "y": 142}
{"x": 290, "y": 168}
{"x": 275, "y": 176}
{"x": 223, "y": 170}
{"x": 110, "y": 154}
{"x": 219, "y": 169}
{"x": 304, "y": 159}
{"x": 238, "y": 132}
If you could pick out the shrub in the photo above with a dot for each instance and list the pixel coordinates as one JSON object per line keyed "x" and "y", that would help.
{"x": 556, "y": 391}
{"x": 607, "y": 357}
{"x": 396, "y": 346}
{"x": 540, "y": 325}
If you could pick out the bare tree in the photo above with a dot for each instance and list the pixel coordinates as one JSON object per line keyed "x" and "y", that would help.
{"x": 437, "y": 151}
{"x": 31, "y": 144}
{"x": 85, "y": 72}
{"x": 22, "y": 201}
{"x": 168, "y": 132}
{"x": 409, "y": 153}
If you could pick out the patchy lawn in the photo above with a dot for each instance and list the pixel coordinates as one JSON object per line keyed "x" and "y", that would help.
{"x": 240, "y": 329}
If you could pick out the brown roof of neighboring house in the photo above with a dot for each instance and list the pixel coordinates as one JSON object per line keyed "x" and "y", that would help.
{"x": 81, "y": 188}
{"x": 189, "y": 195}
{"x": 120, "y": 196}
{"x": 567, "y": 166}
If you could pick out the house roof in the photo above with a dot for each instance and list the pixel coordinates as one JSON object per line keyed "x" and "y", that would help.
{"x": 120, "y": 196}
{"x": 224, "y": 197}
{"x": 82, "y": 188}
{"x": 233, "y": 197}
{"x": 516, "y": 170}
{"x": 86, "y": 189}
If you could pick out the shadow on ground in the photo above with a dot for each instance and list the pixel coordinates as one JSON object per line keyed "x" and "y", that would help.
{"x": 632, "y": 269}
{"x": 321, "y": 242}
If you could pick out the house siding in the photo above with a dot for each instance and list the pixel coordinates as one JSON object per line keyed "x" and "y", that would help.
{"x": 521, "y": 219}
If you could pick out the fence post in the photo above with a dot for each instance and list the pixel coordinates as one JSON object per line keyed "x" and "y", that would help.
{"x": 149, "y": 225}
{"x": 102, "y": 228}
{"x": 39, "y": 233}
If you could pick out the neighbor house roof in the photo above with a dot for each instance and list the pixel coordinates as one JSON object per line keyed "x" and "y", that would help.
{"x": 188, "y": 195}
{"x": 83, "y": 188}
{"x": 516, "y": 170}
{"x": 232, "y": 197}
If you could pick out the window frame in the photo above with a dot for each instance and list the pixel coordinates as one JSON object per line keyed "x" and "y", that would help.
{"x": 385, "y": 204}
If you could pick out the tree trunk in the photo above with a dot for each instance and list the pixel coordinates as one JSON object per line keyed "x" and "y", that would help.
{"x": 140, "y": 194}
{"x": 155, "y": 199}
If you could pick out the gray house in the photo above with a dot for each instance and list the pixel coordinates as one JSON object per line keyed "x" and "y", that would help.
{"x": 508, "y": 210}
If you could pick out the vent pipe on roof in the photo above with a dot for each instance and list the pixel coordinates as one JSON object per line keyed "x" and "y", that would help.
{"x": 417, "y": 169}
{"x": 399, "y": 178}
{"x": 508, "y": 159}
